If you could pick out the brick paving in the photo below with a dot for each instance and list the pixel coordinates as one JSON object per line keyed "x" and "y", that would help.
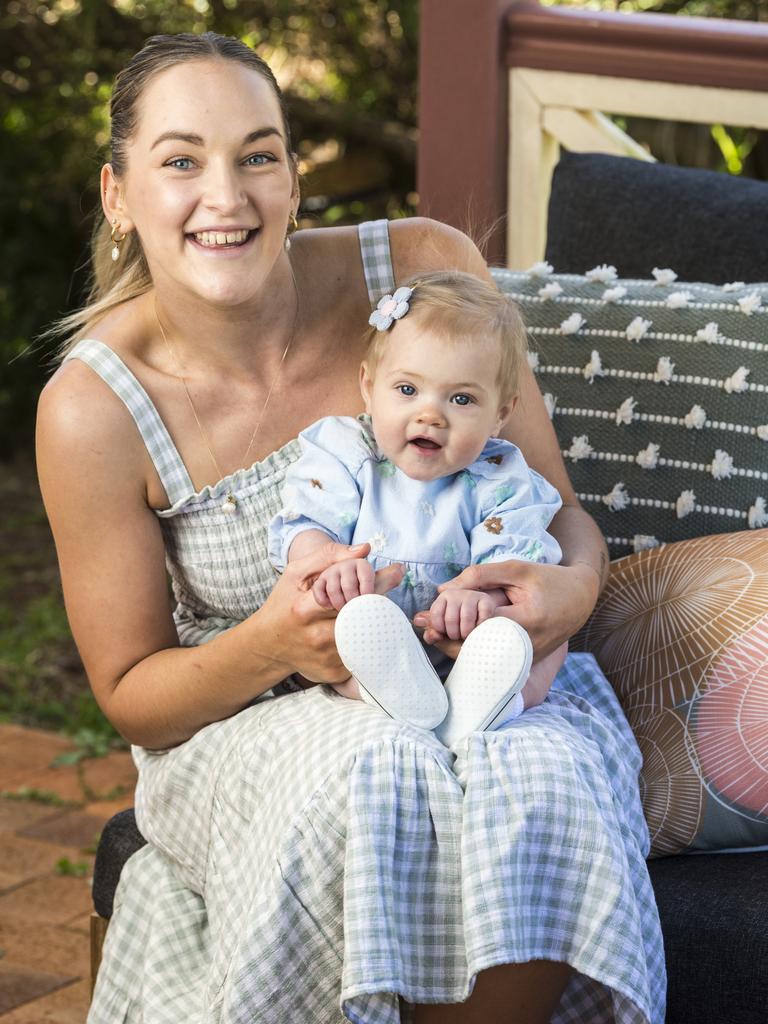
{"x": 44, "y": 911}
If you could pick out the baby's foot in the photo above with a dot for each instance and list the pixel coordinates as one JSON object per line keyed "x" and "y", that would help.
{"x": 376, "y": 642}
{"x": 485, "y": 682}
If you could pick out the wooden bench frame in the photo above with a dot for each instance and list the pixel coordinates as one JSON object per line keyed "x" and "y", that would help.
{"x": 503, "y": 85}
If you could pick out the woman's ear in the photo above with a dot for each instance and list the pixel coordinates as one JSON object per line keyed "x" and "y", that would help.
{"x": 366, "y": 386}
{"x": 112, "y": 201}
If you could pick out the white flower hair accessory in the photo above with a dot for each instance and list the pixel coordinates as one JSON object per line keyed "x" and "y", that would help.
{"x": 390, "y": 308}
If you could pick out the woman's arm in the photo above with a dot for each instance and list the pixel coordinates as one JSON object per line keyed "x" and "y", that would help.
{"x": 93, "y": 470}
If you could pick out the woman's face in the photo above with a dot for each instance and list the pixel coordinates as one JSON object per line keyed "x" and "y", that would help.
{"x": 209, "y": 185}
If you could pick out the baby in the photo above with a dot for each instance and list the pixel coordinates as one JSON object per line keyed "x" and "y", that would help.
{"x": 423, "y": 478}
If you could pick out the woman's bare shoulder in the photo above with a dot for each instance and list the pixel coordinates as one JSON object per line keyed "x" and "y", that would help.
{"x": 80, "y": 421}
{"x": 420, "y": 244}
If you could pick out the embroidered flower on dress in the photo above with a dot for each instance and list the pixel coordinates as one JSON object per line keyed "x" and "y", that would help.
{"x": 664, "y": 276}
{"x": 427, "y": 508}
{"x": 493, "y": 525}
{"x": 551, "y": 290}
{"x": 762, "y": 431}
{"x": 390, "y": 308}
{"x": 614, "y": 294}
{"x": 316, "y": 483}
{"x": 637, "y": 329}
{"x": 733, "y": 286}
{"x": 377, "y": 542}
{"x": 534, "y": 552}
{"x": 602, "y": 274}
{"x": 533, "y": 359}
{"x": 550, "y": 403}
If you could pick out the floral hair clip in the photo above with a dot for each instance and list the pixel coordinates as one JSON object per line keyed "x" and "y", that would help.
{"x": 390, "y": 308}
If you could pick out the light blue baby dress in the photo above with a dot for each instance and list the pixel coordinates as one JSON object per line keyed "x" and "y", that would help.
{"x": 496, "y": 509}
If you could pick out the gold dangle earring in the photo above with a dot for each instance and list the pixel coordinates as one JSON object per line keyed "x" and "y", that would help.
{"x": 116, "y": 238}
{"x": 289, "y": 232}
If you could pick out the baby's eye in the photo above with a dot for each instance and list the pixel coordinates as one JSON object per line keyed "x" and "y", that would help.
{"x": 406, "y": 389}
{"x": 462, "y": 399}
{"x": 180, "y": 163}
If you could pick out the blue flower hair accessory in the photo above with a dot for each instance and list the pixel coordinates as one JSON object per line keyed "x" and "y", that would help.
{"x": 390, "y": 308}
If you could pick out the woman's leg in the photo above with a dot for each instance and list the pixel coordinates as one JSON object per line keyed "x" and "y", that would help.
{"x": 508, "y": 994}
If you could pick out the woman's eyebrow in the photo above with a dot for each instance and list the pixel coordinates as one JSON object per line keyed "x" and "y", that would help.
{"x": 197, "y": 140}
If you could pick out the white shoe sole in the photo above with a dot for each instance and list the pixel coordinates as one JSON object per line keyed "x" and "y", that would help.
{"x": 492, "y": 667}
{"x": 376, "y": 642}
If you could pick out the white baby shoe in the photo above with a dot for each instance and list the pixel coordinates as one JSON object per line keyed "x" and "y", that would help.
{"x": 485, "y": 682}
{"x": 376, "y": 642}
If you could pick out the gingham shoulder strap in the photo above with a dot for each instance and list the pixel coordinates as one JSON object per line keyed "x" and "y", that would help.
{"x": 377, "y": 258}
{"x": 162, "y": 451}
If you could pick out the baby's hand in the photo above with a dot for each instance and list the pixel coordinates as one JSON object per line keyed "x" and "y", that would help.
{"x": 455, "y": 613}
{"x": 342, "y": 581}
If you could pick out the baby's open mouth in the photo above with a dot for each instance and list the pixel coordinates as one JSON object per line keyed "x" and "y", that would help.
{"x": 424, "y": 442}
{"x": 223, "y": 239}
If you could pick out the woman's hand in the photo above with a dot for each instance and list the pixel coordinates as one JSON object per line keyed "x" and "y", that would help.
{"x": 550, "y": 601}
{"x": 301, "y": 631}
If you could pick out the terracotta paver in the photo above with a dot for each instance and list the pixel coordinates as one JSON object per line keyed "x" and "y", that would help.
{"x": 68, "y": 1005}
{"x": 44, "y": 914}
{"x": 25, "y": 751}
{"x": 20, "y": 985}
{"x": 24, "y": 859}
{"x": 73, "y": 828}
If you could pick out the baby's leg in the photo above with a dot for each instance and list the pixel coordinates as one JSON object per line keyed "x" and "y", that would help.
{"x": 348, "y": 688}
{"x": 542, "y": 675}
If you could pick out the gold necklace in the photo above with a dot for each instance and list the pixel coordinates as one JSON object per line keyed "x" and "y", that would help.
{"x": 230, "y": 501}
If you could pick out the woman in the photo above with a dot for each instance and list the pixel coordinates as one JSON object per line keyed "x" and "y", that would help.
{"x": 306, "y": 858}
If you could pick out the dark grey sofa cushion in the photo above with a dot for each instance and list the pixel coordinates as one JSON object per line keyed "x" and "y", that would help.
{"x": 714, "y": 910}
{"x": 635, "y": 215}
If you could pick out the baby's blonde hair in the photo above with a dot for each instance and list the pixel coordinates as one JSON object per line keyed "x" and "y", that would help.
{"x": 463, "y": 309}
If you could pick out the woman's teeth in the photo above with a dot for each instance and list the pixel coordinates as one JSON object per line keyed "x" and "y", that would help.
{"x": 213, "y": 238}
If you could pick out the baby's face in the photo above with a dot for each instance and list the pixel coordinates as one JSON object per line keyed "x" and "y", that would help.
{"x": 433, "y": 403}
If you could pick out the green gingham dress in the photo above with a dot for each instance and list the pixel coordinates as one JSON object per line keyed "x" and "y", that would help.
{"x": 312, "y": 861}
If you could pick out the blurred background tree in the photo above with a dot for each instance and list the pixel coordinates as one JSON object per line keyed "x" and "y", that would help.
{"x": 349, "y": 69}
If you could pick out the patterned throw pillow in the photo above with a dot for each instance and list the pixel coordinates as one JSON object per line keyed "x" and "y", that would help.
{"x": 658, "y": 393}
{"x": 682, "y": 634}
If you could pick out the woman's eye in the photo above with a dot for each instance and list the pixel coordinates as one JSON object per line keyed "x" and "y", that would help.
{"x": 406, "y": 389}
{"x": 258, "y": 159}
{"x": 463, "y": 399}
{"x": 180, "y": 163}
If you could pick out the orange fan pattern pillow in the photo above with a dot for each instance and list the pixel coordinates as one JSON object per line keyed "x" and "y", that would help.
{"x": 682, "y": 634}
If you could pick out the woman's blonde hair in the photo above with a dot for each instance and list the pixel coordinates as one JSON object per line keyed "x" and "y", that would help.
{"x": 115, "y": 282}
{"x": 462, "y": 309}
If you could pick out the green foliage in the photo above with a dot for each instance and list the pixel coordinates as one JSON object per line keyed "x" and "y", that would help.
{"x": 73, "y": 869}
{"x": 38, "y": 796}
